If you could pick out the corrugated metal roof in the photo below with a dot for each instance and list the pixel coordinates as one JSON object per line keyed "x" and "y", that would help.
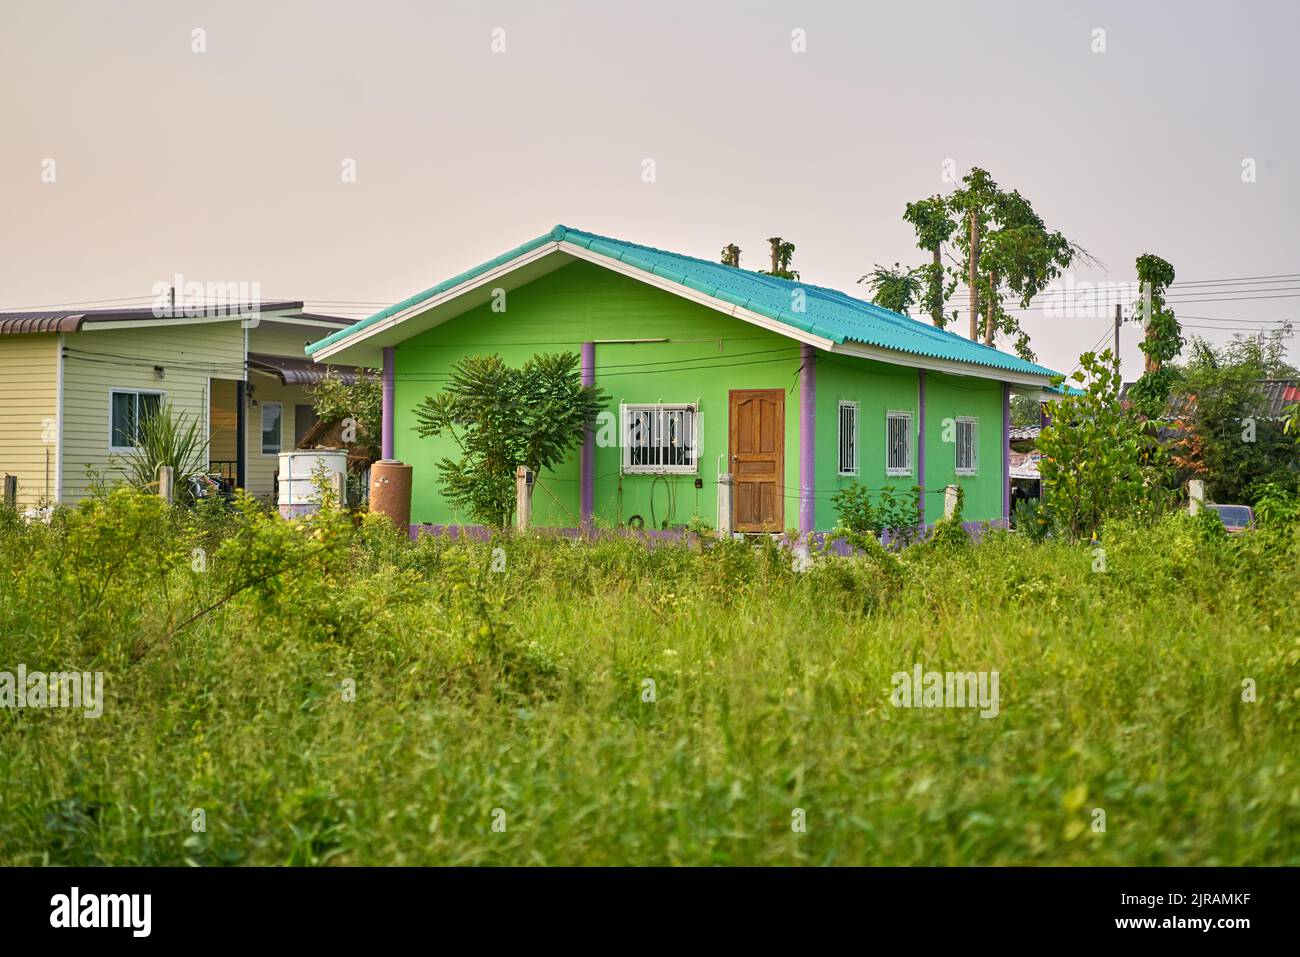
{"x": 72, "y": 320}
{"x": 298, "y": 371}
{"x": 827, "y": 313}
{"x": 1274, "y": 396}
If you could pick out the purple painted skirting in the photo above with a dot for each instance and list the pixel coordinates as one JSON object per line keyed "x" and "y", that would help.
{"x": 481, "y": 533}
{"x": 386, "y": 445}
{"x": 588, "y": 459}
{"x": 667, "y": 536}
{"x": 807, "y": 437}
{"x": 1006, "y": 452}
{"x": 920, "y": 441}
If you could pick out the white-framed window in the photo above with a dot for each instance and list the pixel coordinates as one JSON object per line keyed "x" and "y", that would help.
{"x": 898, "y": 443}
{"x": 661, "y": 438}
{"x": 272, "y": 416}
{"x": 967, "y": 445}
{"x": 848, "y": 438}
{"x": 127, "y": 408}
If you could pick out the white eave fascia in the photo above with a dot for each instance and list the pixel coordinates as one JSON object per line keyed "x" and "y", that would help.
{"x": 577, "y": 252}
{"x": 703, "y": 298}
{"x": 433, "y": 302}
{"x": 968, "y": 369}
{"x": 292, "y": 320}
{"x": 183, "y": 320}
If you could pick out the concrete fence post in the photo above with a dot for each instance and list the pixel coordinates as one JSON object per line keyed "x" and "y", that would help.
{"x": 523, "y": 498}
{"x": 725, "y": 487}
{"x": 949, "y": 501}
{"x": 167, "y": 483}
{"x": 1195, "y": 496}
{"x": 339, "y": 482}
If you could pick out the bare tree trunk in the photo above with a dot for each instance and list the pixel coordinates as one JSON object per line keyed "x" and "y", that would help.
{"x": 989, "y": 331}
{"x": 973, "y": 280}
{"x": 1150, "y": 365}
{"x": 936, "y": 289}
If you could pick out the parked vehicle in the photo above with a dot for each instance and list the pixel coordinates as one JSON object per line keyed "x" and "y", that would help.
{"x": 1235, "y": 518}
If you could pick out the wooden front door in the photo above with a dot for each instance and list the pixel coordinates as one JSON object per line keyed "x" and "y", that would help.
{"x": 757, "y": 455}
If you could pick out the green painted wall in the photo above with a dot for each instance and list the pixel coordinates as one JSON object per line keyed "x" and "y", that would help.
{"x": 949, "y": 396}
{"x": 583, "y": 302}
{"x": 708, "y": 354}
{"x": 877, "y": 388}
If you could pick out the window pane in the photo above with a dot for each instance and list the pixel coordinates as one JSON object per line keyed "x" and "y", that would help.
{"x": 656, "y": 438}
{"x": 966, "y": 446}
{"x": 899, "y": 441}
{"x": 848, "y": 430}
{"x": 123, "y": 419}
{"x": 270, "y": 427}
{"x": 147, "y": 404}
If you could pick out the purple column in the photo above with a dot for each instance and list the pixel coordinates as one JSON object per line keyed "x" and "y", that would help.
{"x": 588, "y": 459}
{"x": 1006, "y": 452}
{"x": 387, "y": 450}
{"x": 920, "y": 442}
{"x": 807, "y": 440}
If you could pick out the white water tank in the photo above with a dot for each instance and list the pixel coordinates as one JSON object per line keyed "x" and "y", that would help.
{"x": 299, "y": 473}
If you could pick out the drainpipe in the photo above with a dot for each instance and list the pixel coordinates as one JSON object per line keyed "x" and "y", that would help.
{"x": 386, "y": 442}
{"x": 588, "y": 459}
{"x": 920, "y": 443}
{"x": 807, "y": 440}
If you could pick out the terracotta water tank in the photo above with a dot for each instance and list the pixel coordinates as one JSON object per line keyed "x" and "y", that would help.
{"x": 390, "y": 491}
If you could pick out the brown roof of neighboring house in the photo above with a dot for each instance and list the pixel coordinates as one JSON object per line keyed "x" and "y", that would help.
{"x": 294, "y": 371}
{"x": 1274, "y": 396}
{"x": 73, "y": 320}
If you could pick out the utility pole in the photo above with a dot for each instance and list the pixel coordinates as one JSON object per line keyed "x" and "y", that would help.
{"x": 1119, "y": 316}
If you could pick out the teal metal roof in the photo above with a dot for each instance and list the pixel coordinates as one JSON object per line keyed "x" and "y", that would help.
{"x": 827, "y": 313}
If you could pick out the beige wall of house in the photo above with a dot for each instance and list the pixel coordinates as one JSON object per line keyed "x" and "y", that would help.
{"x": 223, "y": 425}
{"x": 29, "y": 373}
{"x": 269, "y": 392}
{"x": 55, "y": 451}
{"x": 101, "y": 361}
{"x": 284, "y": 339}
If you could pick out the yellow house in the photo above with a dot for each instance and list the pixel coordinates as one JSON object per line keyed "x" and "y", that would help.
{"x": 73, "y": 385}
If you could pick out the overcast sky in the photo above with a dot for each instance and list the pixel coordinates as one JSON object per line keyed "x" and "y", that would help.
{"x": 228, "y": 165}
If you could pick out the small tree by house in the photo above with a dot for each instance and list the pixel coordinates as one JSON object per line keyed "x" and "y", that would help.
{"x": 1100, "y": 460}
{"x": 501, "y": 418}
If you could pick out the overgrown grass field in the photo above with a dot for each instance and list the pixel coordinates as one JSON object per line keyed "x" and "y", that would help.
{"x": 502, "y": 714}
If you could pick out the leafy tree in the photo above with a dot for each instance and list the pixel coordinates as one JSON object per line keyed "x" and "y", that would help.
{"x": 362, "y": 401}
{"x": 1163, "y": 340}
{"x": 502, "y": 418}
{"x": 731, "y": 255}
{"x": 896, "y": 288}
{"x": 1002, "y": 247}
{"x": 1224, "y": 439}
{"x": 1100, "y": 460}
{"x": 932, "y": 220}
{"x": 1025, "y": 410}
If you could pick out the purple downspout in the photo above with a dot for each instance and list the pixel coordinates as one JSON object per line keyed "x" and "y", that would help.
{"x": 1006, "y": 452}
{"x": 920, "y": 443}
{"x": 588, "y": 459}
{"x": 807, "y": 439}
{"x": 386, "y": 449}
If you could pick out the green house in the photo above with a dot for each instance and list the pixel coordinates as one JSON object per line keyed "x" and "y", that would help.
{"x": 784, "y": 391}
